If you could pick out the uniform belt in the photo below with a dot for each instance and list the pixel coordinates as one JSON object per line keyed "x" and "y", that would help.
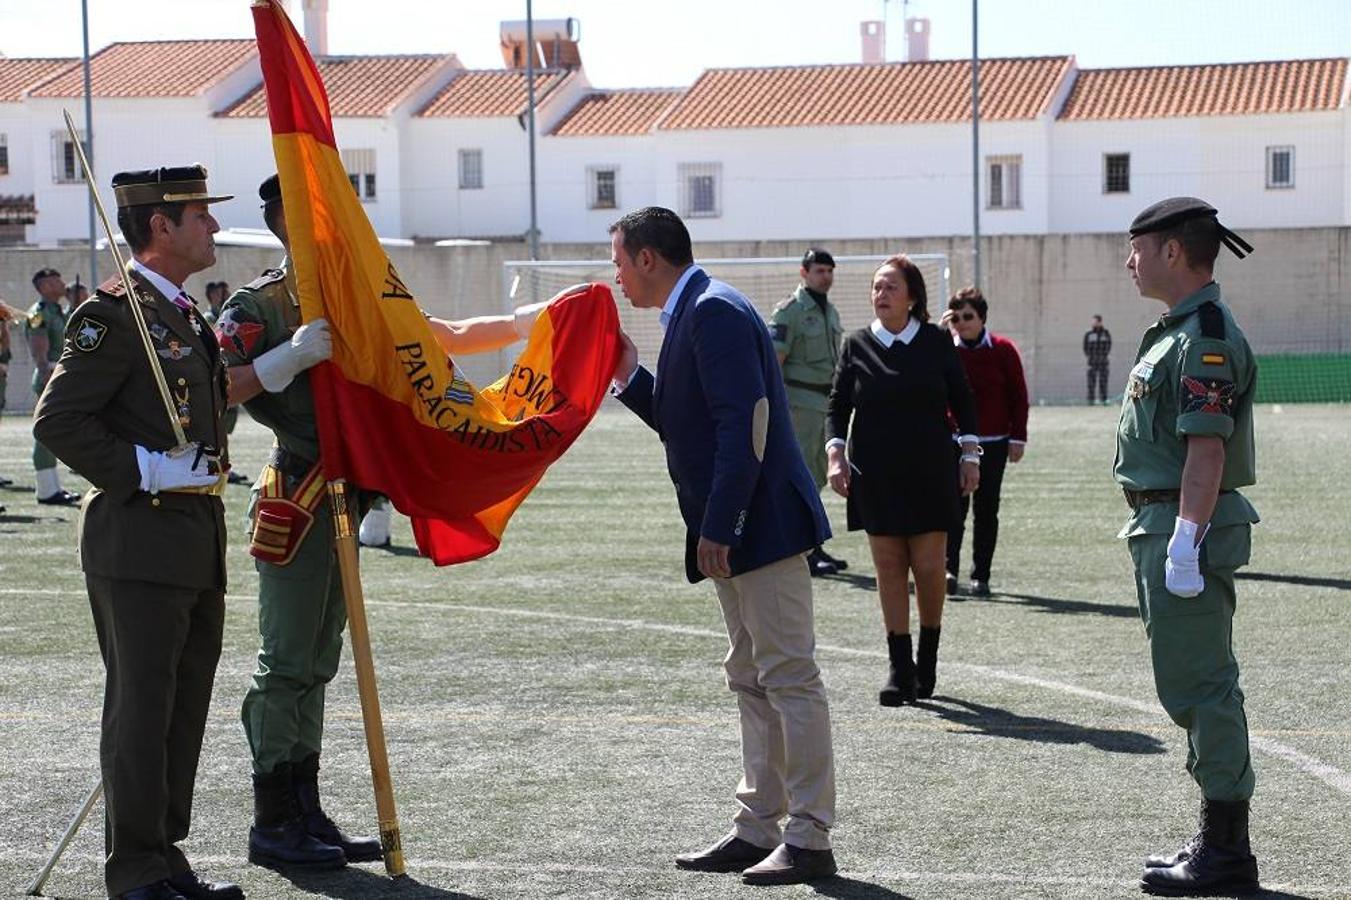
{"x": 292, "y": 465}
{"x": 814, "y": 388}
{"x": 1137, "y": 499}
{"x": 215, "y": 489}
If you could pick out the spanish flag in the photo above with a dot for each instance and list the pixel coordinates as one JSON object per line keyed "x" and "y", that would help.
{"x": 394, "y": 413}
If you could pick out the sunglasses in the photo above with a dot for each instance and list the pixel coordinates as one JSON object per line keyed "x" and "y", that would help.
{"x": 964, "y": 317}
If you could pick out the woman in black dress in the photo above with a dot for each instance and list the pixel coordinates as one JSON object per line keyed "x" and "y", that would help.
{"x": 896, "y": 381}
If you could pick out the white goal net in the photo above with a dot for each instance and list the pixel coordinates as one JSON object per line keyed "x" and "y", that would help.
{"x": 765, "y": 280}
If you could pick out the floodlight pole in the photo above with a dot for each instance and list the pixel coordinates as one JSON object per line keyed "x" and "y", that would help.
{"x": 530, "y": 121}
{"x": 975, "y": 146}
{"x": 89, "y": 148}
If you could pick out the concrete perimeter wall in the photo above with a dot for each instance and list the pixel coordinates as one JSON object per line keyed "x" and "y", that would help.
{"x": 1292, "y": 295}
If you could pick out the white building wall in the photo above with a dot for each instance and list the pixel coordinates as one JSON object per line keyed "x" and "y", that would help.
{"x": 1221, "y": 159}
{"x": 438, "y": 207}
{"x": 17, "y": 127}
{"x": 565, "y": 213}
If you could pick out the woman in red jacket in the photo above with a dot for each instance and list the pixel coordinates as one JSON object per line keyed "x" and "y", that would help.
{"x": 995, "y": 372}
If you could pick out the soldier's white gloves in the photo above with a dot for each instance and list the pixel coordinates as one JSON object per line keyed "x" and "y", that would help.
{"x": 186, "y": 468}
{"x": 526, "y": 315}
{"x": 310, "y": 345}
{"x": 1182, "y": 568}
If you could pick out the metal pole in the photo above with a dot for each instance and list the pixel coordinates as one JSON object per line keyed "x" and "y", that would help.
{"x": 530, "y": 121}
{"x": 89, "y": 148}
{"x": 35, "y": 886}
{"x": 975, "y": 146}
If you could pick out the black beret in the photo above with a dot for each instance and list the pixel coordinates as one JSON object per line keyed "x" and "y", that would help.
{"x": 270, "y": 189}
{"x": 1175, "y": 210}
{"x": 167, "y": 184}
{"x": 817, "y": 256}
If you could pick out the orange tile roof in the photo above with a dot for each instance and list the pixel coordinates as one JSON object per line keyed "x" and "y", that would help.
{"x": 18, "y": 75}
{"x": 358, "y": 86}
{"x": 485, "y": 93}
{"x": 1232, "y": 89}
{"x": 617, "y": 112}
{"x": 867, "y": 94}
{"x": 153, "y": 69}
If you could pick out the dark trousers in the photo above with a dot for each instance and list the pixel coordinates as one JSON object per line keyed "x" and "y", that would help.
{"x": 160, "y": 644}
{"x": 985, "y": 526}
{"x": 1097, "y": 378}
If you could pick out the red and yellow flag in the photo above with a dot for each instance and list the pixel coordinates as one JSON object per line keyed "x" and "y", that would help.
{"x": 394, "y": 413}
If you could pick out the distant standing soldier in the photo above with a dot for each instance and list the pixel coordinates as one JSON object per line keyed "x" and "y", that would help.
{"x": 44, "y": 330}
{"x": 152, "y": 530}
{"x": 8, "y": 315}
{"x": 807, "y": 335}
{"x": 1184, "y": 448}
{"x": 1098, "y": 351}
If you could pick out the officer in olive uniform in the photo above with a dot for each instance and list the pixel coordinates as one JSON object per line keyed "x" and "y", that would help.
{"x": 152, "y": 529}
{"x": 44, "y": 330}
{"x": 216, "y": 293}
{"x": 301, "y": 611}
{"x": 1184, "y": 448}
{"x": 807, "y": 335}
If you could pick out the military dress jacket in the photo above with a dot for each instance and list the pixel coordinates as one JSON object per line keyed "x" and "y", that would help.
{"x": 102, "y": 401}
{"x": 1194, "y": 375}
{"x": 810, "y": 337}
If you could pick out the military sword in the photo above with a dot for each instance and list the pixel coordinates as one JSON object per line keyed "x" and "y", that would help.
{"x": 180, "y": 438}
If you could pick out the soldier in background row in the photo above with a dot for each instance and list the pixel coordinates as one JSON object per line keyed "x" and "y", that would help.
{"x": 44, "y": 330}
{"x": 1098, "y": 352}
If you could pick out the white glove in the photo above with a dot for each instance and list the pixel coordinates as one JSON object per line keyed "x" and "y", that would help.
{"x": 184, "y": 468}
{"x": 525, "y": 317}
{"x": 309, "y": 346}
{"x": 1182, "y": 568}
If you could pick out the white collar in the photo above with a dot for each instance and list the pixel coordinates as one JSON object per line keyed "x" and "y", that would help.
{"x": 887, "y": 338}
{"x": 983, "y": 342}
{"x": 668, "y": 310}
{"x": 157, "y": 281}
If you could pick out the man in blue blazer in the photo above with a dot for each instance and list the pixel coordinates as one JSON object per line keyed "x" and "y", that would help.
{"x": 751, "y": 512}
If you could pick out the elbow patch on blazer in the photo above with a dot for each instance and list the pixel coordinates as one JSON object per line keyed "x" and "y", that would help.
{"x": 760, "y": 428}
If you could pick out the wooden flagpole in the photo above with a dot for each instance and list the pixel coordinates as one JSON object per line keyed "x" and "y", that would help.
{"x": 342, "y": 498}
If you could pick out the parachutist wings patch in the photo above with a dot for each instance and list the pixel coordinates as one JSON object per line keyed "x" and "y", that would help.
{"x": 1207, "y": 395}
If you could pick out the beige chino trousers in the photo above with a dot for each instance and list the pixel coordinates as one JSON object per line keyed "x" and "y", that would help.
{"x": 787, "y": 760}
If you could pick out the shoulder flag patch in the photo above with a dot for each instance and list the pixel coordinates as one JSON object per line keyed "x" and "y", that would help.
{"x": 1213, "y": 359}
{"x": 90, "y": 335}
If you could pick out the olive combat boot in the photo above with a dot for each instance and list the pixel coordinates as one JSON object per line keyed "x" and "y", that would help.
{"x": 1219, "y": 860}
{"x": 305, "y": 778}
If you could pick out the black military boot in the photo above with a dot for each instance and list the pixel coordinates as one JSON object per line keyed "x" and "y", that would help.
{"x": 900, "y": 687}
{"x": 1167, "y": 861}
{"x": 305, "y": 779}
{"x": 278, "y": 839}
{"x": 926, "y": 661}
{"x": 1220, "y": 862}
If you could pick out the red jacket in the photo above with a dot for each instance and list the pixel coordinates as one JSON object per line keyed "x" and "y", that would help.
{"x": 995, "y": 372}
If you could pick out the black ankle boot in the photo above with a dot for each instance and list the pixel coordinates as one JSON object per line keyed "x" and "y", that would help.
{"x": 926, "y": 661}
{"x": 306, "y": 782}
{"x": 278, "y": 839}
{"x": 900, "y": 686}
{"x": 1219, "y": 860}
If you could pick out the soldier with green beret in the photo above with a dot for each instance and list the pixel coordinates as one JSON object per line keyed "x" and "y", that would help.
{"x": 807, "y": 334}
{"x": 45, "y": 330}
{"x": 152, "y": 529}
{"x": 1184, "y": 448}
{"x": 301, "y": 609}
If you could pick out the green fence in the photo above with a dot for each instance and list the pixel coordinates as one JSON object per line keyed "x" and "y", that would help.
{"x": 1304, "y": 378}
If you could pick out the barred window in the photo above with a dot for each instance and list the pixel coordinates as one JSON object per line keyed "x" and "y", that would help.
{"x": 1004, "y": 182}
{"x": 1116, "y": 173}
{"x": 65, "y": 163}
{"x": 471, "y": 170}
{"x": 1280, "y": 167}
{"x": 700, "y": 190}
{"x": 4, "y": 154}
{"x": 601, "y": 187}
{"x": 360, "y": 166}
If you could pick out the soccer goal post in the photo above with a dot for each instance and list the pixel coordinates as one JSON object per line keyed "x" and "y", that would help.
{"x": 765, "y": 280}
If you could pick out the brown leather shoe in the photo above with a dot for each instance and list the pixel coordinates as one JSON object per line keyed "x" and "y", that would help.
{"x": 791, "y": 865}
{"x": 731, "y": 854}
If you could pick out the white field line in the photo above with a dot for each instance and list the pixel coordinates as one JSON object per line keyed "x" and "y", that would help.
{"x": 1330, "y": 775}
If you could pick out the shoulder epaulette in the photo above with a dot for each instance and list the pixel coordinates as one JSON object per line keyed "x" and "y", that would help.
{"x": 1211, "y": 319}
{"x": 269, "y": 276}
{"x": 113, "y": 288}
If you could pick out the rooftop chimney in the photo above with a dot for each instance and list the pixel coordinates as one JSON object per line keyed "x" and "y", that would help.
{"x": 316, "y": 26}
{"x": 555, "y": 44}
{"x": 916, "y": 40}
{"x": 874, "y": 41}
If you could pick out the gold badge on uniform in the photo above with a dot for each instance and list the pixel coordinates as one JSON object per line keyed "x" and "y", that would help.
{"x": 175, "y": 350}
{"x": 1138, "y": 384}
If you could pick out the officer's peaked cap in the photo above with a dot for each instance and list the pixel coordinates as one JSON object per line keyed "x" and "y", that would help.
{"x": 167, "y": 184}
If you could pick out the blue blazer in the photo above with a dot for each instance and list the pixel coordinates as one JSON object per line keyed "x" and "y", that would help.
{"x": 718, "y": 404}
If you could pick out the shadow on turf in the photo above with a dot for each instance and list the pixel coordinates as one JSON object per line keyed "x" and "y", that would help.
{"x": 394, "y": 550}
{"x": 1059, "y": 605}
{"x": 1341, "y": 584}
{"x": 353, "y": 883}
{"x": 853, "y": 889}
{"x": 998, "y": 722}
